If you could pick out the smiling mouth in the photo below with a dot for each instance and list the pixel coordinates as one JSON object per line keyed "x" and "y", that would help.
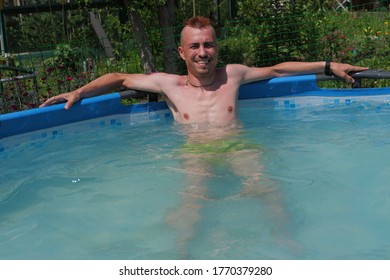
{"x": 203, "y": 62}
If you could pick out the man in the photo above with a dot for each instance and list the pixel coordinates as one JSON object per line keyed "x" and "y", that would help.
{"x": 206, "y": 100}
{"x": 206, "y": 94}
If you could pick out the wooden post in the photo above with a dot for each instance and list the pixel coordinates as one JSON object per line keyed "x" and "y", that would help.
{"x": 3, "y": 43}
{"x": 104, "y": 41}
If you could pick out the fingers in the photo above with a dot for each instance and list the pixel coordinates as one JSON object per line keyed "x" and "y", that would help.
{"x": 69, "y": 104}
{"x": 342, "y": 73}
{"x": 348, "y": 78}
{"x": 68, "y": 98}
{"x": 358, "y": 68}
{"x": 342, "y": 70}
{"x": 52, "y": 100}
{"x": 71, "y": 100}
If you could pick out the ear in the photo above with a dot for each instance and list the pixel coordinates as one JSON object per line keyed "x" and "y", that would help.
{"x": 181, "y": 52}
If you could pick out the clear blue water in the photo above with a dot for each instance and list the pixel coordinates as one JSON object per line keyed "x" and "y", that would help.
{"x": 109, "y": 192}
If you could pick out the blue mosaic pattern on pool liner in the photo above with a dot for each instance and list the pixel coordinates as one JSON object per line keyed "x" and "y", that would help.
{"x": 36, "y": 137}
{"x": 106, "y": 105}
{"x": 311, "y": 101}
{"x": 138, "y": 118}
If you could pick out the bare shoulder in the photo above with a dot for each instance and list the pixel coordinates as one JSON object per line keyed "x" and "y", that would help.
{"x": 248, "y": 74}
{"x": 154, "y": 82}
{"x": 162, "y": 77}
{"x": 236, "y": 68}
{"x": 166, "y": 80}
{"x": 236, "y": 71}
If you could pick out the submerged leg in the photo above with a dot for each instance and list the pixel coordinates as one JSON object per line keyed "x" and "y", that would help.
{"x": 246, "y": 164}
{"x": 185, "y": 217}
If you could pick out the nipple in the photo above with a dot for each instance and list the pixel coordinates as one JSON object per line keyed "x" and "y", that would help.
{"x": 186, "y": 116}
{"x": 230, "y": 109}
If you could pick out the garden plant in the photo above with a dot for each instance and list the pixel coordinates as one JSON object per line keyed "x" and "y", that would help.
{"x": 261, "y": 33}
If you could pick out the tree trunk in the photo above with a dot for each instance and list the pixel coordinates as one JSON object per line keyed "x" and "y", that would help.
{"x": 143, "y": 45}
{"x": 141, "y": 39}
{"x": 166, "y": 18}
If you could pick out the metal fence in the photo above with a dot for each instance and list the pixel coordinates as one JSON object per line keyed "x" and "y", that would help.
{"x": 344, "y": 34}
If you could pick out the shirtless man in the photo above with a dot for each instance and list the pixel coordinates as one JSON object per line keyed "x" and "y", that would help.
{"x": 206, "y": 100}
{"x": 207, "y": 94}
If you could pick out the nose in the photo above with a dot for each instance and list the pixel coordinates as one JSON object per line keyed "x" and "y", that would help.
{"x": 202, "y": 51}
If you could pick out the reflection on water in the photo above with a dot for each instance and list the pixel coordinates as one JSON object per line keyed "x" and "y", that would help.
{"x": 305, "y": 183}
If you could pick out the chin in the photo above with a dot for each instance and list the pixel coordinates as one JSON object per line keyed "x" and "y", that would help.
{"x": 204, "y": 71}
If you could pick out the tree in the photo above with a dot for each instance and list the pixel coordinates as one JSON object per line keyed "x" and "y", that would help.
{"x": 166, "y": 18}
{"x": 141, "y": 37}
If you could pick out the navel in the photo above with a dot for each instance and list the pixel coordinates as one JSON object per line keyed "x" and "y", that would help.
{"x": 230, "y": 109}
{"x": 186, "y": 116}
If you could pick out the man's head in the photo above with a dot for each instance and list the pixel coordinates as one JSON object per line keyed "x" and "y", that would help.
{"x": 198, "y": 46}
{"x": 197, "y": 22}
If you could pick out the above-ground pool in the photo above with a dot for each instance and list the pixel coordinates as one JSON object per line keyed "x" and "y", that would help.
{"x": 107, "y": 181}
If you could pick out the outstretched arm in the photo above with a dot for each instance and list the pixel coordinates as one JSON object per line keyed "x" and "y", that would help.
{"x": 298, "y": 68}
{"x": 108, "y": 83}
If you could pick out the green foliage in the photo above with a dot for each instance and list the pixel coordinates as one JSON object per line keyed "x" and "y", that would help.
{"x": 276, "y": 31}
{"x": 25, "y": 31}
{"x": 264, "y": 33}
{"x": 361, "y": 38}
{"x": 63, "y": 55}
{"x": 63, "y": 71}
{"x": 79, "y": 30}
{"x": 185, "y": 9}
{"x": 16, "y": 94}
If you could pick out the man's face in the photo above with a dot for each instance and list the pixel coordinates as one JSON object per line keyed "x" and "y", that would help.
{"x": 199, "y": 50}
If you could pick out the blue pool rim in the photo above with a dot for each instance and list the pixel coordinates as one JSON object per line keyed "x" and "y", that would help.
{"x": 110, "y": 104}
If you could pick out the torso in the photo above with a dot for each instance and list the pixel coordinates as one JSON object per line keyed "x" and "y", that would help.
{"x": 215, "y": 104}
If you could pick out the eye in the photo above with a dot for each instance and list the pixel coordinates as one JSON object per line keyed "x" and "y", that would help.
{"x": 194, "y": 46}
{"x": 209, "y": 45}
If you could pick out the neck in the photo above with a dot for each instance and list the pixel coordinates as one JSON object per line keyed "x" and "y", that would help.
{"x": 188, "y": 81}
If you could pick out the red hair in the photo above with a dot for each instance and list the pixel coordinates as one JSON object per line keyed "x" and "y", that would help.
{"x": 198, "y": 22}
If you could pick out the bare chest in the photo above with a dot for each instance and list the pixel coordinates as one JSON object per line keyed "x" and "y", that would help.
{"x": 200, "y": 105}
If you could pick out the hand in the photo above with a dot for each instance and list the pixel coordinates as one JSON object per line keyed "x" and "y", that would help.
{"x": 341, "y": 70}
{"x": 70, "y": 98}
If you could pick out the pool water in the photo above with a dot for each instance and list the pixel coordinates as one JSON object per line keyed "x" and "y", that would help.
{"x": 108, "y": 192}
